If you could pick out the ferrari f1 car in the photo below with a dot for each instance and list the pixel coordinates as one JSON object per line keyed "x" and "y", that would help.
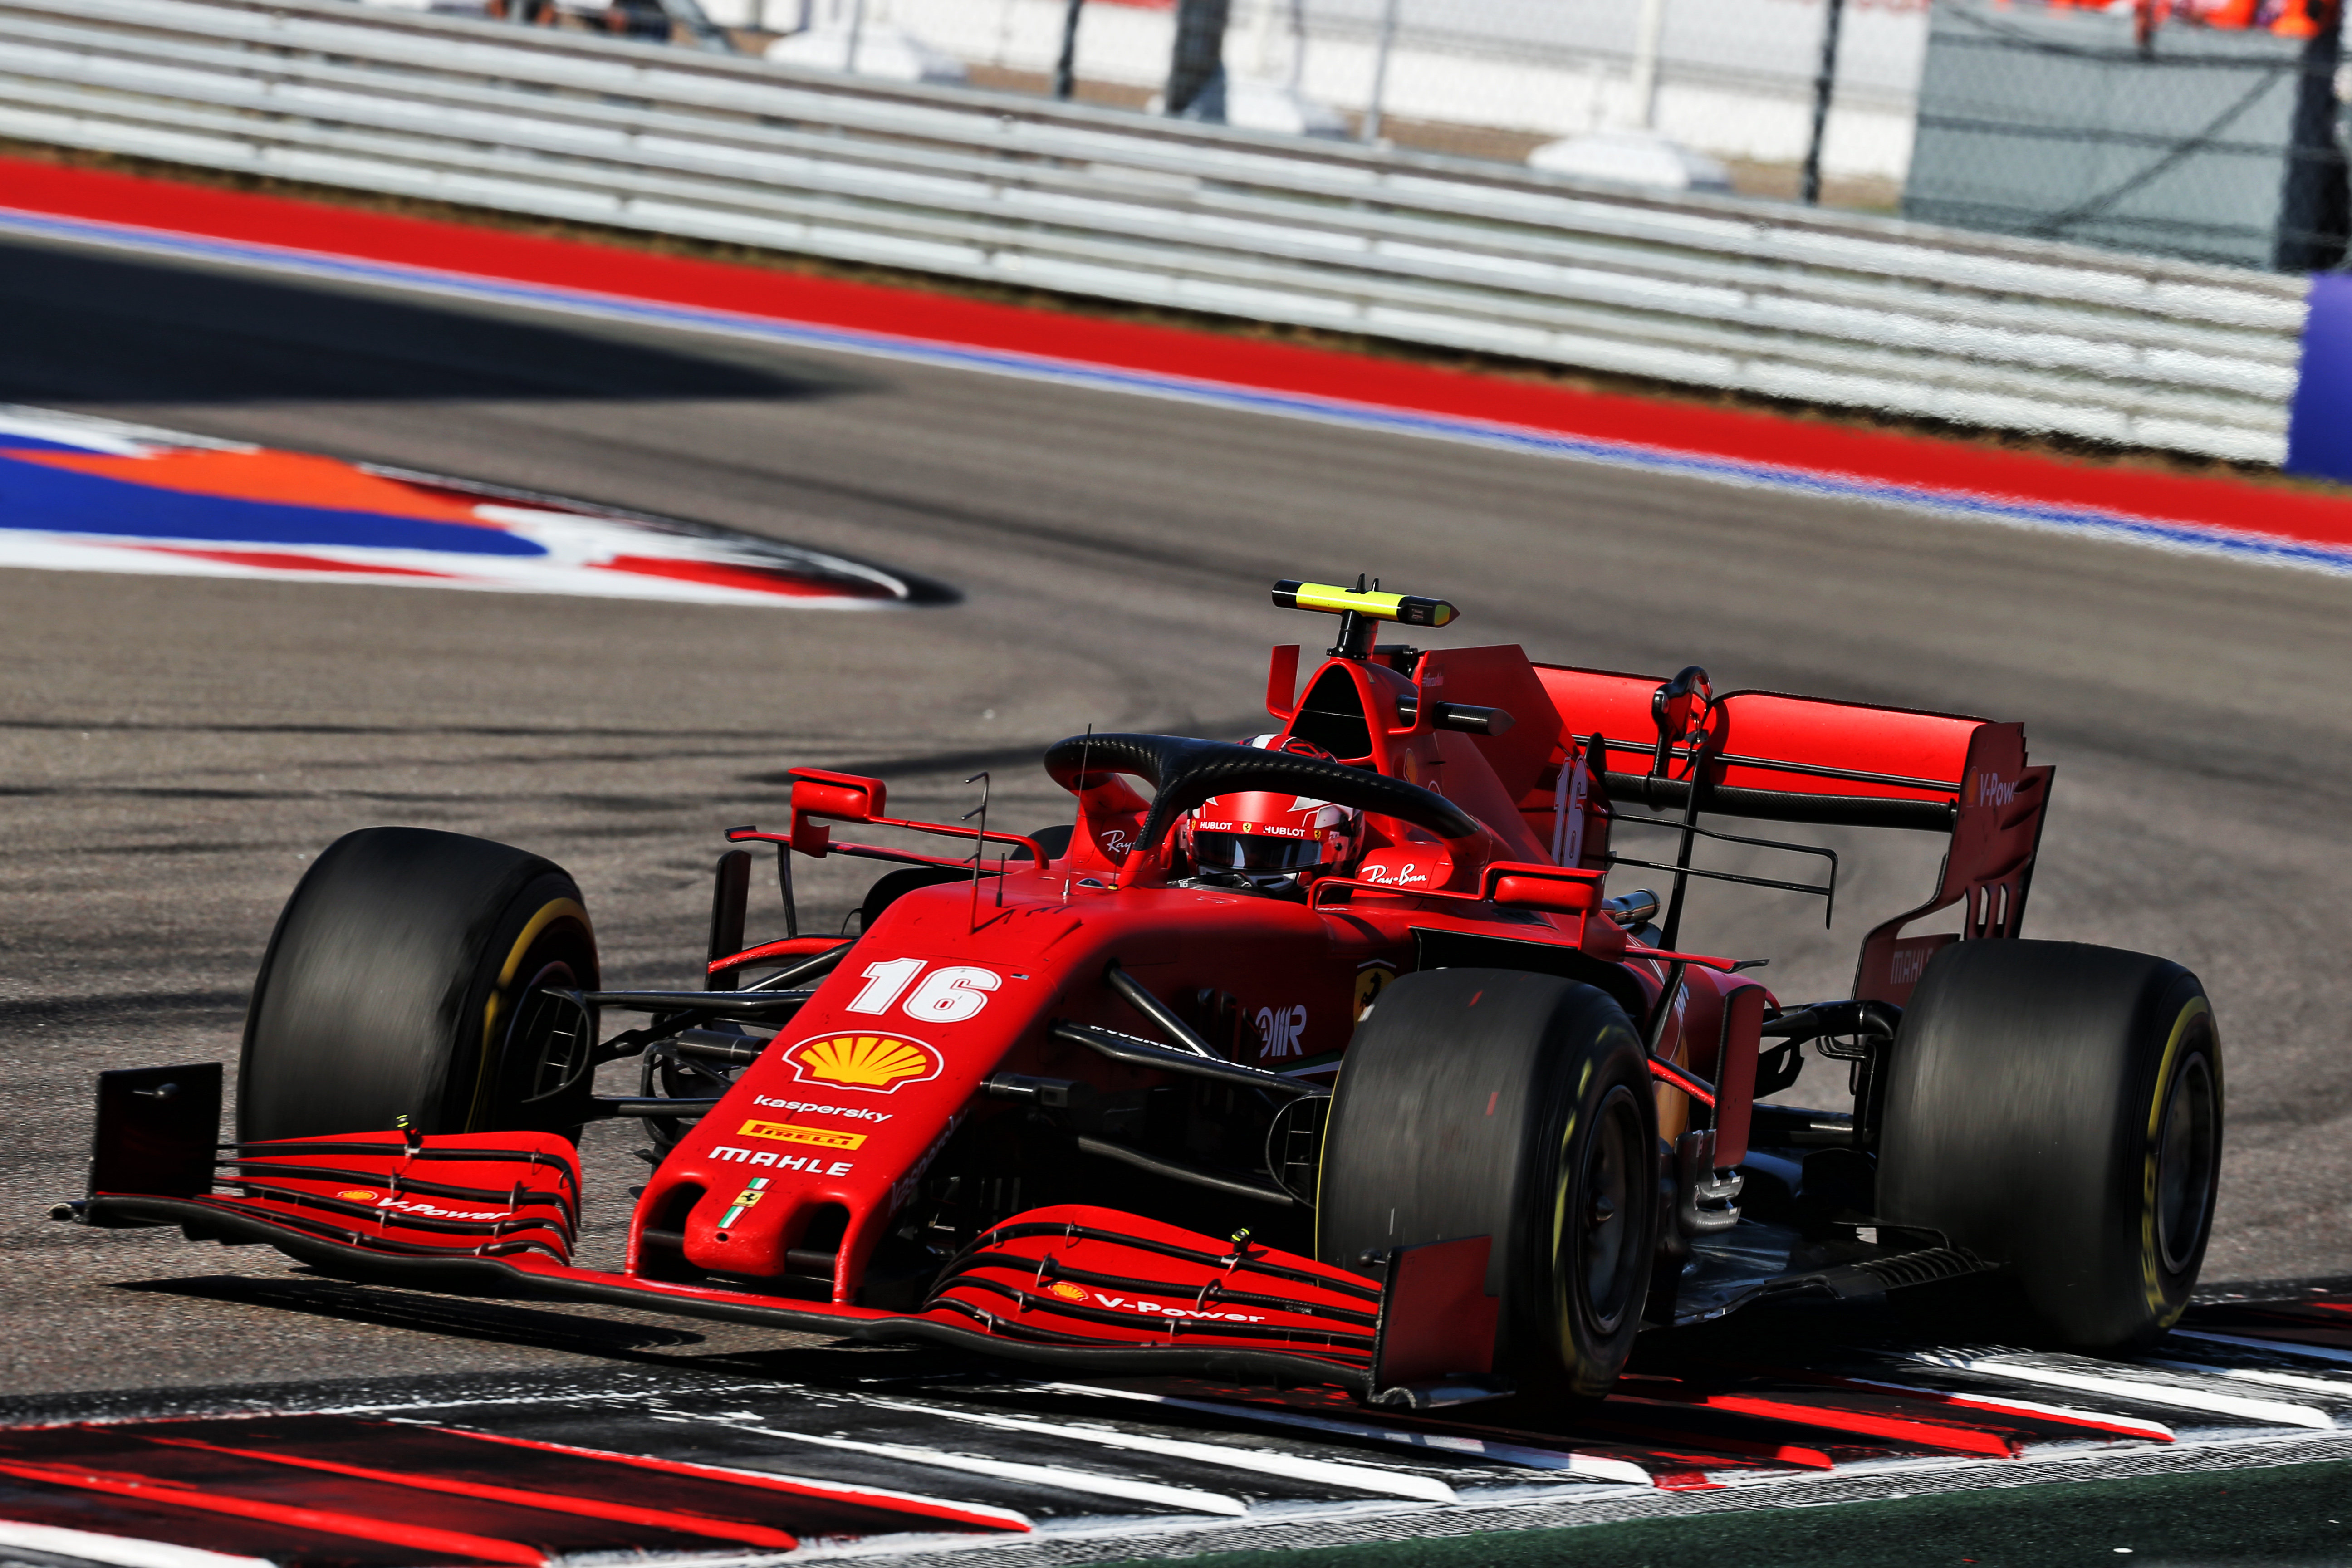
{"x": 1333, "y": 1057}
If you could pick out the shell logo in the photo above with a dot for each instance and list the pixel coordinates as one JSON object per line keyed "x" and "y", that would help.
{"x": 358, "y": 1194}
{"x": 876, "y": 1064}
{"x": 1065, "y": 1290}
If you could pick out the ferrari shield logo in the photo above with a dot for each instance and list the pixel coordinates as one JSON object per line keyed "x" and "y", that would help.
{"x": 876, "y": 1064}
{"x": 743, "y": 1200}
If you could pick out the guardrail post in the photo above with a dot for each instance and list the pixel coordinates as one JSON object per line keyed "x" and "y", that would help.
{"x": 2314, "y": 219}
{"x": 1649, "y": 43}
{"x": 1381, "y": 70}
{"x": 1824, "y": 83}
{"x": 1199, "y": 58}
{"x": 1066, "y": 68}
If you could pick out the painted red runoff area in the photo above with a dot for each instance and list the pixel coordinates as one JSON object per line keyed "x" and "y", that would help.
{"x": 1865, "y": 1423}
{"x": 1872, "y": 457}
{"x": 287, "y": 561}
{"x": 336, "y": 1490}
{"x": 80, "y": 492}
{"x": 660, "y": 1519}
{"x": 2296, "y": 1321}
{"x": 860, "y": 1506}
{"x": 437, "y": 1544}
{"x": 2023, "y": 1416}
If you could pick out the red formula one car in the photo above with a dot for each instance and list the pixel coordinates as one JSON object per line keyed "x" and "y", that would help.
{"x": 1333, "y": 1057}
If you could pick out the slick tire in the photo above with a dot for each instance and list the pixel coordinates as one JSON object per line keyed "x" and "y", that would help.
{"x": 2056, "y": 1108}
{"x": 1515, "y": 1106}
{"x": 406, "y": 977}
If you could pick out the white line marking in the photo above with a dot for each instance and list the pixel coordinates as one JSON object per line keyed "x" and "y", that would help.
{"x": 2337, "y": 1386}
{"x": 1118, "y": 1534}
{"x": 1005, "y": 1470}
{"x": 1590, "y": 1467}
{"x": 2130, "y": 1424}
{"x": 849, "y": 1491}
{"x": 2282, "y": 1347}
{"x": 574, "y": 549}
{"x": 2277, "y": 1412}
{"x": 121, "y": 1550}
{"x": 1261, "y": 1461}
{"x": 96, "y": 433}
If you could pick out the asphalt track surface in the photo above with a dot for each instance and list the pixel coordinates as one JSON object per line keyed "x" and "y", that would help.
{"x": 174, "y": 748}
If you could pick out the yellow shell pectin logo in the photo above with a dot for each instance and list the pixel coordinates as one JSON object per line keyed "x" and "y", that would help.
{"x": 1065, "y": 1290}
{"x": 358, "y": 1194}
{"x": 876, "y": 1064}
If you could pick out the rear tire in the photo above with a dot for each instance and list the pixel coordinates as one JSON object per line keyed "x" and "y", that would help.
{"x": 403, "y": 980}
{"x": 2057, "y": 1109}
{"x": 1493, "y": 1103}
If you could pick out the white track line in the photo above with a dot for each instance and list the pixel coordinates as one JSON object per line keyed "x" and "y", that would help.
{"x": 1257, "y": 1461}
{"x": 2278, "y": 1347}
{"x": 848, "y": 1491}
{"x": 1052, "y": 1475}
{"x": 2335, "y": 1386}
{"x": 1587, "y": 1466}
{"x": 118, "y": 1551}
{"x": 2273, "y": 1412}
{"x": 1316, "y": 407}
{"x": 2124, "y": 1426}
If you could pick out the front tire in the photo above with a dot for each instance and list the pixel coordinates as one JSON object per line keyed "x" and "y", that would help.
{"x": 2056, "y": 1108}
{"x": 410, "y": 976}
{"x": 1493, "y": 1103}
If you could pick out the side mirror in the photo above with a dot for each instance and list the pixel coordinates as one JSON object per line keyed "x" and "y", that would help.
{"x": 1555, "y": 891}
{"x": 842, "y": 798}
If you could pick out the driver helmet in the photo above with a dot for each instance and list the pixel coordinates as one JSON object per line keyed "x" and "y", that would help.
{"x": 1265, "y": 834}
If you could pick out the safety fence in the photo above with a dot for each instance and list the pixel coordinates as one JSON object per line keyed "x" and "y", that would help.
{"x": 1769, "y": 299}
{"x": 1733, "y": 80}
{"x": 2210, "y": 143}
{"x": 1676, "y": 94}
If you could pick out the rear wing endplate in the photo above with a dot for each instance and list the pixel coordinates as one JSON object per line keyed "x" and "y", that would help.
{"x": 1782, "y": 757}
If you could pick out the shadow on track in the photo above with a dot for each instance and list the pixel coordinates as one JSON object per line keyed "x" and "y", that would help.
{"x": 88, "y": 329}
{"x": 495, "y": 1321}
{"x": 603, "y": 1338}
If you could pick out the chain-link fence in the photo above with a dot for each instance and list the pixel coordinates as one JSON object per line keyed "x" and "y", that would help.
{"x": 1683, "y": 93}
{"x": 1687, "y": 94}
{"x": 2216, "y": 143}
{"x": 2204, "y": 128}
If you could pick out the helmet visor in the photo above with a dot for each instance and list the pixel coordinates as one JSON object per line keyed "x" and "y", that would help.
{"x": 1255, "y": 852}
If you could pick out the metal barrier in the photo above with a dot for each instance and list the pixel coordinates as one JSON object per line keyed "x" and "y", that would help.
{"x": 1788, "y": 303}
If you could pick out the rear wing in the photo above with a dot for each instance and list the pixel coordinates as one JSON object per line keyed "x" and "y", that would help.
{"x": 1780, "y": 758}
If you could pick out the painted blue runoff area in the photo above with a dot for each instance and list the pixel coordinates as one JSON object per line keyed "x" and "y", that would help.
{"x": 35, "y": 495}
{"x": 2319, "y": 426}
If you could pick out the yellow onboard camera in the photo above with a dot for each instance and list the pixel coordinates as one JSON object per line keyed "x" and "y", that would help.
{"x": 1405, "y": 609}
{"x": 1361, "y": 610}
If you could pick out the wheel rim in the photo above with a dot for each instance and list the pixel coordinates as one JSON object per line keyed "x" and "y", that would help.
{"x": 552, "y": 1038}
{"x": 2184, "y": 1164}
{"x": 1607, "y": 1256}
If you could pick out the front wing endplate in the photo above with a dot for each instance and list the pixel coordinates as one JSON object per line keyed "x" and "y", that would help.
{"x": 1076, "y": 1287}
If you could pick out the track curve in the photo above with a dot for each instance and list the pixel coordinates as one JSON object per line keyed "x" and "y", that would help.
{"x": 175, "y": 746}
